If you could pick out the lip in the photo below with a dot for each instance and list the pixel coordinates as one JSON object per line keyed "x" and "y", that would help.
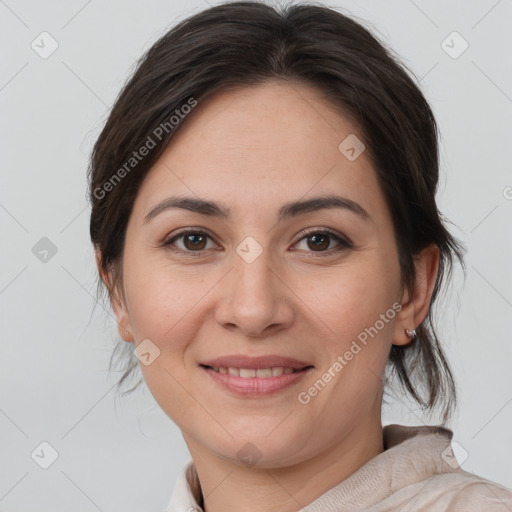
{"x": 255, "y": 386}
{"x": 255, "y": 362}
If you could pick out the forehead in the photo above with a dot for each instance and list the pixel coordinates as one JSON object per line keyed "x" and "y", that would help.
{"x": 273, "y": 142}
{"x": 273, "y": 114}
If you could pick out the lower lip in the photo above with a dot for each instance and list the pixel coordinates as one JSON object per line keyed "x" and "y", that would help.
{"x": 255, "y": 386}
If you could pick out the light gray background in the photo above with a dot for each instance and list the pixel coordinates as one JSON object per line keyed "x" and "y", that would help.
{"x": 124, "y": 454}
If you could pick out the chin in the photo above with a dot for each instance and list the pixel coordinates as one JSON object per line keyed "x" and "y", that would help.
{"x": 259, "y": 451}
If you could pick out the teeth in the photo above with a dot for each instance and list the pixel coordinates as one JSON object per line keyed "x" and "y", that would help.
{"x": 261, "y": 373}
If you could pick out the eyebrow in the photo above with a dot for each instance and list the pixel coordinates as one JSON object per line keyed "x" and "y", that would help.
{"x": 291, "y": 209}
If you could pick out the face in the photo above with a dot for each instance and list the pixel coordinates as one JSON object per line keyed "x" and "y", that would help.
{"x": 314, "y": 284}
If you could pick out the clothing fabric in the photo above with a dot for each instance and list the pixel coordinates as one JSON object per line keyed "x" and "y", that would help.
{"x": 417, "y": 471}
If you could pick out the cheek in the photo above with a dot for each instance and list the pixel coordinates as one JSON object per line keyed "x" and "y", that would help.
{"x": 169, "y": 307}
{"x": 163, "y": 308}
{"x": 350, "y": 298}
{"x": 161, "y": 299}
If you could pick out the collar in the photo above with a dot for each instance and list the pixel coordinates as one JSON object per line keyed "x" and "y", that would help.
{"x": 411, "y": 454}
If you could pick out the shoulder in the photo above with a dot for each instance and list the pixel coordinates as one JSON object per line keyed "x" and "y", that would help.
{"x": 462, "y": 491}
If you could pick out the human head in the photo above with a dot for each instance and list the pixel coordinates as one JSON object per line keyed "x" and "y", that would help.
{"x": 248, "y": 44}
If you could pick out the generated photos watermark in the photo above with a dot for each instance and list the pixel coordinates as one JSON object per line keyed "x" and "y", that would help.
{"x": 137, "y": 156}
{"x": 304, "y": 397}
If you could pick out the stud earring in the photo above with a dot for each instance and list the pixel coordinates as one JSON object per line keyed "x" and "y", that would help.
{"x": 411, "y": 334}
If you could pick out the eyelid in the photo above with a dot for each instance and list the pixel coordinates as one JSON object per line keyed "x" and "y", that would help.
{"x": 187, "y": 230}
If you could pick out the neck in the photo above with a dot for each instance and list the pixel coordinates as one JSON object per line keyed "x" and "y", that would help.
{"x": 287, "y": 489}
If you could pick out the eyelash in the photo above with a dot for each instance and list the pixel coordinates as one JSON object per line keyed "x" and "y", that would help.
{"x": 343, "y": 243}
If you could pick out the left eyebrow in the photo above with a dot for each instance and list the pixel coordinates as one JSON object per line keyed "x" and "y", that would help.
{"x": 319, "y": 203}
{"x": 291, "y": 209}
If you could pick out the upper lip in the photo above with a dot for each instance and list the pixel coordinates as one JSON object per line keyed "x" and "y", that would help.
{"x": 255, "y": 362}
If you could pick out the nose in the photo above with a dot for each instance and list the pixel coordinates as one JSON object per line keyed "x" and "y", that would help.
{"x": 255, "y": 299}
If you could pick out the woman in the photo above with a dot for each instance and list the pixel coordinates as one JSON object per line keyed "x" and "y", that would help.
{"x": 264, "y": 220}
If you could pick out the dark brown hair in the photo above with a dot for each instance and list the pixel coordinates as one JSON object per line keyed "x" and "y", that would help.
{"x": 245, "y": 44}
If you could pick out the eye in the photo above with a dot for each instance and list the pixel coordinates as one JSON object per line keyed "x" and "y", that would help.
{"x": 320, "y": 241}
{"x": 192, "y": 240}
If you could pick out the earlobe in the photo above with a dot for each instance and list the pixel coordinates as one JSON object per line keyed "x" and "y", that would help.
{"x": 416, "y": 304}
{"x": 125, "y": 335}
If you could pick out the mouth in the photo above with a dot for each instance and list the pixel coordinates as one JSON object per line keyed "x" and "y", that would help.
{"x": 255, "y": 382}
{"x": 259, "y": 373}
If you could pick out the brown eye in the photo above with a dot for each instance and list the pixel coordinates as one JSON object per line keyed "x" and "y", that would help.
{"x": 320, "y": 242}
{"x": 188, "y": 241}
{"x": 194, "y": 241}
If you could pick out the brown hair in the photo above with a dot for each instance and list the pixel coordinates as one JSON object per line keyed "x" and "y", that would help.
{"x": 248, "y": 43}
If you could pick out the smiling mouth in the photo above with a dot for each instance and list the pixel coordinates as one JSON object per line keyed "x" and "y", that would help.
{"x": 258, "y": 373}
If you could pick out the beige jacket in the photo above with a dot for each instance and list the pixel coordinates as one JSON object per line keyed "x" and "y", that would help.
{"x": 416, "y": 472}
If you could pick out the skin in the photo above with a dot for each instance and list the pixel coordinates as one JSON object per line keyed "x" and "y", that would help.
{"x": 254, "y": 149}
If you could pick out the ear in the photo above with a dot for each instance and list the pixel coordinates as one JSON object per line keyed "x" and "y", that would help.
{"x": 415, "y": 305}
{"x": 118, "y": 306}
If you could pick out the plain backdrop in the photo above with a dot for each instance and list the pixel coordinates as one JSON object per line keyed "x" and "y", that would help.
{"x": 116, "y": 454}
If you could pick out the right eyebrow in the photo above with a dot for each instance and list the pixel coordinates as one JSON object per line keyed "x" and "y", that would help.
{"x": 188, "y": 203}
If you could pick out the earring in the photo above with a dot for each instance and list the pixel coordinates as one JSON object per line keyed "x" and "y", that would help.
{"x": 411, "y": 334}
